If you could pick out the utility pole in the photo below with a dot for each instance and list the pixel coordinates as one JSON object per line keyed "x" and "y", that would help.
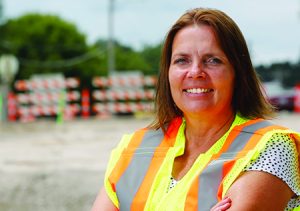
{"x": 110, "y": 46}
{"x": 1, "y": 12}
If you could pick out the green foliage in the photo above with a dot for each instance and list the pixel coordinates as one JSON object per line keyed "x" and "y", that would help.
{"x": 101, "y": 47}
{"x": 48, "y": 44}
{"x": 126, "y": 58}
{"x": 264, "y": 73}
{"x": 151, "y": 55}
{"x": 286, "y": 72}
{"x": 40, "y": 42}
{"x": 291, "y": 76}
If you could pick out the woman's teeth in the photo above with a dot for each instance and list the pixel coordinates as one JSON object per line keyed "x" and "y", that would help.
{"x": 197, "y": 90}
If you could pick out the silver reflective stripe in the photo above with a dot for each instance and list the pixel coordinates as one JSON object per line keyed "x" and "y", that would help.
{"x": 133, "y": 176}
{"x": 211, "y": 176}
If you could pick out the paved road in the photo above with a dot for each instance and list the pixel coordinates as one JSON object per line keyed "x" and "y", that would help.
{"x": 49, "y": 167}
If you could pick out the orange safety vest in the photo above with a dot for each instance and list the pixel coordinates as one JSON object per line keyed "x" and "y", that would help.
{"x": 135, "y": 171}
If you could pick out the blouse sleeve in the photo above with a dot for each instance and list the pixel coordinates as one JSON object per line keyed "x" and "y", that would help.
{"x": 280, "y": 158}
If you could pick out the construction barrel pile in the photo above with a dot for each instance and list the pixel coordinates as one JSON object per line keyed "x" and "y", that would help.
{"x": 53, "y": 96}
{"x": 56, "y": 96}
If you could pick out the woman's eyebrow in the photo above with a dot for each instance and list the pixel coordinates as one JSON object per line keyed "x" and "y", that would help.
{"x": 179, "y": 54}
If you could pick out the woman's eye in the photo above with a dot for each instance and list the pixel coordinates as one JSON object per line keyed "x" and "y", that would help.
{"x": 213, "y": 61}
{"x": 181, "y": 61}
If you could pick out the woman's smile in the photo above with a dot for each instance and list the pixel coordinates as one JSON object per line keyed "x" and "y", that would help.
{"x": 198, "y": 90}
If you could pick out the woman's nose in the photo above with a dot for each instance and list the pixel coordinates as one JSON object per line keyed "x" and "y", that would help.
{"x": 196, "y": 71}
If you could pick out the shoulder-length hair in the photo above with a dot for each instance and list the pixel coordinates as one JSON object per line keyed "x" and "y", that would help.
{"x": 248, "y": 99}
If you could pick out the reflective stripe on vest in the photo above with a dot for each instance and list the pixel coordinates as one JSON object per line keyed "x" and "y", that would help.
{"x": 207, "y": 188}
{"x": 145, "y": 152}
{"x": 136, "y": 168}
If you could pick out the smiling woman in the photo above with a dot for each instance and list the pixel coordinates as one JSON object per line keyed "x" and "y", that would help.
{"x": 201, "y": 77}
{"x": 210, "y": 146}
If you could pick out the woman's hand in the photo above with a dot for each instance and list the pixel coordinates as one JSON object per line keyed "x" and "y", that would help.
{"x": 222, "y": 205}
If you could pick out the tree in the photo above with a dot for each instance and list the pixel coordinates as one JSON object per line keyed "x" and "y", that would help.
{"x": 264, "y": 73}
{"x": 46, "y": 43}
{"x": 152, "y": 55}
{"x": 126, "y": 58}
{"x": 292, "y": 76}
{"x": 285, "y": 72}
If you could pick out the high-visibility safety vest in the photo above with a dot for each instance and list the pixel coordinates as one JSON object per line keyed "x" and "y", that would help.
{"x": 139, "y": 178}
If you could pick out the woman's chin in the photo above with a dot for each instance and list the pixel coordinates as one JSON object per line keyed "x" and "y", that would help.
{"x": 199, "y": 110}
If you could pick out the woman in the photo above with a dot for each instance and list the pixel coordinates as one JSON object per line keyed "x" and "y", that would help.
{"x": 209, "y": 147}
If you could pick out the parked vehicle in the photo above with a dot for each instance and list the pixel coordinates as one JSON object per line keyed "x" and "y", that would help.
{"x": 279, "y": 97}
{"x": 283, "y": 102}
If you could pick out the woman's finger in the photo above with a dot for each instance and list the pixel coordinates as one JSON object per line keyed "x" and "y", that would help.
{"x": 222, "y": 205}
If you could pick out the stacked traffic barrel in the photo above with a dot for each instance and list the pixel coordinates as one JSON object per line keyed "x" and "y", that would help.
{"x": 47, "y": 96}
{"x": 125, "y": 93}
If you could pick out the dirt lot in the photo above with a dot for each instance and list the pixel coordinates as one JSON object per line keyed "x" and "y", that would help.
{"x": 50, "y": 167}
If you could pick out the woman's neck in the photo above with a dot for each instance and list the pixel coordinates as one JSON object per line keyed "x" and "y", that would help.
{"x": 201, "y": 131}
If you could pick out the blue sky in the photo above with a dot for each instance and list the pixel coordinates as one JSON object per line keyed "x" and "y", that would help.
{"x": 271, "y": 28}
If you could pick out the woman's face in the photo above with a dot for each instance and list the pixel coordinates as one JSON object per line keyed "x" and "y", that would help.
{"x": 200, "y": 75}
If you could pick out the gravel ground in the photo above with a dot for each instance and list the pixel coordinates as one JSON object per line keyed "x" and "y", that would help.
{"x": 50, "y": 167}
